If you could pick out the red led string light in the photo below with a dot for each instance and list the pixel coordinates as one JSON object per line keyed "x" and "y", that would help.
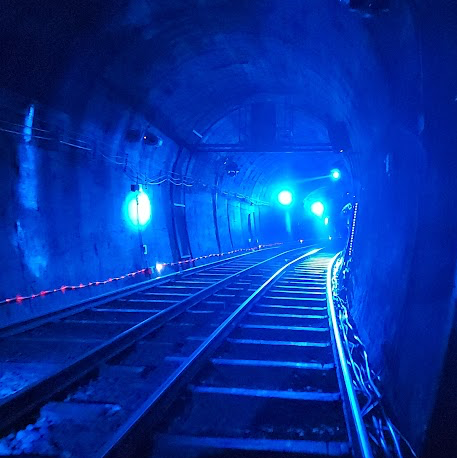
{"x": 148, "y": 270}
{"x": 218, "y": 254}
{"x": 62, "y": 289}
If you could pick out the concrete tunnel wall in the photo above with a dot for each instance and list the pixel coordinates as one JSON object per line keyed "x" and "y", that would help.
{"x": 385, "y": 77}
{"x": 63, "y": 203}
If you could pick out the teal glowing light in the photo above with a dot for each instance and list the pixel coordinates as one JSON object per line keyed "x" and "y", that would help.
{"x": 326, "y": 221}
{"x": 139, "y": 208}
{"x": 317, "y": 208}
{"x": 285, "y": 197}
{"x": 335, "y": 174}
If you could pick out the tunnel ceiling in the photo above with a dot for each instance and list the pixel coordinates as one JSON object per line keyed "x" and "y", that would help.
{"x": 192, "y": 62}
{"x": 273, "y": 152}
{"x": 187, "y": 64}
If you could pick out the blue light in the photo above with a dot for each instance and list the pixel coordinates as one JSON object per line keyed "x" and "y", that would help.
{"x": 317, "y": 208}
{"x": 29, "y": 164}
{"x": 139, "y": 208}
{"x": 285, "y": 197}
{"x": 335, "y": 174}
{"x": 326, "y": 221}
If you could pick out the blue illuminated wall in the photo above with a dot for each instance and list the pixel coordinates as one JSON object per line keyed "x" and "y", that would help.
{"x": 63, "y": 220}
{"x": 69, "y": 215}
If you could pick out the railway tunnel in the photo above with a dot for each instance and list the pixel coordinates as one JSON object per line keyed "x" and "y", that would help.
{"x": 140, "y": 138}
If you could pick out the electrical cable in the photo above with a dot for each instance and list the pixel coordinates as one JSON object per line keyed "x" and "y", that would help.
{"x": 363, "y": 376}
{"x": 86, "y": 141}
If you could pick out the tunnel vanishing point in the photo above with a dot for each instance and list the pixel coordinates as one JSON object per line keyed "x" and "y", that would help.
{"x": 139, "y": 137}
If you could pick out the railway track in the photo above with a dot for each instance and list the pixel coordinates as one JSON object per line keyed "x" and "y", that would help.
{"x": 271, "y": 380}
{"x": 85, "y": 373}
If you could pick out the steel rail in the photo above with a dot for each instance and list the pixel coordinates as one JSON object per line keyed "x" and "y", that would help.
{"x": 362, "y": 436}
{"x": 141, "y": 423}
{"x": 15, "y": 407}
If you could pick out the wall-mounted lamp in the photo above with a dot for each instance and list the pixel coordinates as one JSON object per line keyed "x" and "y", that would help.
{"x": 231, "y": 167}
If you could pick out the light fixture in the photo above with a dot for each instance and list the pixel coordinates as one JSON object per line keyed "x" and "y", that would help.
{"x": 151, "y": 139}
{"x": 138, "y": 207}
{"x": 231, "y": 167}
{"x": 317, "y": 208}
{"x": 285, "y": 197}
{"x": 335, "y": 174}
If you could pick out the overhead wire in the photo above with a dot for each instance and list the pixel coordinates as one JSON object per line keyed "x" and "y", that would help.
{"x": 93, "y": 145}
